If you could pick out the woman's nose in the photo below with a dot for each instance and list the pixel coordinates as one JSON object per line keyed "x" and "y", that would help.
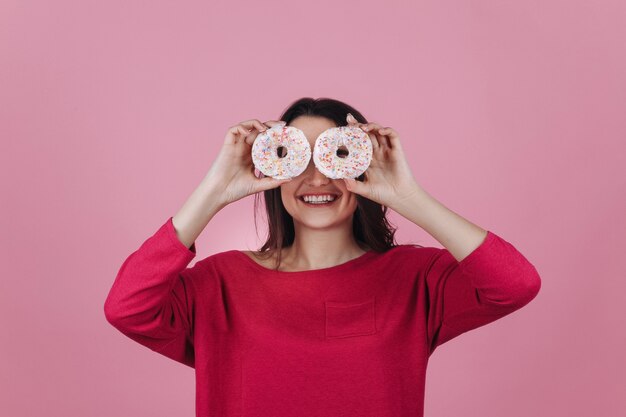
{"x": 314, "y": 176}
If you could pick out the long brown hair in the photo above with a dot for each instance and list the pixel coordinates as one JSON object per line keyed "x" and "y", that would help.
{"x": 369, "y": 224}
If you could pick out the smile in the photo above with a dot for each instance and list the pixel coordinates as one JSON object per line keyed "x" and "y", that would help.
{"x": 321, "y": 200}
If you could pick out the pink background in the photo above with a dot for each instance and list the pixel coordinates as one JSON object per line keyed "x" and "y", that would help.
{"x": 511, "y": 114}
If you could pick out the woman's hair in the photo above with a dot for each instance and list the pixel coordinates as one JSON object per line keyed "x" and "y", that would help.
{"x": 369, "y": 225}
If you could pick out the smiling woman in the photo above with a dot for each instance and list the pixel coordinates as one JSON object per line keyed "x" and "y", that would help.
{"x": 343, "y": 323}
{"x": 344, "y": 228}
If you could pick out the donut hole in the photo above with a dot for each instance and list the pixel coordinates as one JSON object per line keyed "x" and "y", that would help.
{"x": 281, "y": 151}
{"x": 342, "y": 152}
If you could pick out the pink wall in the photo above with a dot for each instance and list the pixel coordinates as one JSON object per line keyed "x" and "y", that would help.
{"x": 512, "y": 115}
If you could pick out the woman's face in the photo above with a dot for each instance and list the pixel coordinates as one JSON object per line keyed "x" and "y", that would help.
{"x": 312, "y": 181}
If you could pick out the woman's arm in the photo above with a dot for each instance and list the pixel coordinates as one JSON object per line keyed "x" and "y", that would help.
{"x": 478, "y": 278}
{"x": 201, "y": 206}
{"x": 152, "y": 298}
{"x": 153, "y": 295}
{"x": 458, "y": 235}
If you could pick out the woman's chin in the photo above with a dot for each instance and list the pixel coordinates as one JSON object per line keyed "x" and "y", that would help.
{"x": 320, "y": 221}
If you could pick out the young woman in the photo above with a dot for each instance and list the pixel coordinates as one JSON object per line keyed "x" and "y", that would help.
{"x": 330, "y": 317}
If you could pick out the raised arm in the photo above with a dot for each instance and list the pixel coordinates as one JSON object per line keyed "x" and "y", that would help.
{"x": 153, "y": 295}
{"x": 494, "y": 280}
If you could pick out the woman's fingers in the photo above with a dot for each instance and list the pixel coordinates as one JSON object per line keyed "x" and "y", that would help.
{"x": 387, "y": 136}
{"x": 393, "y": 138}
{"x": 374, "y": 140}
{"x": 253, "y": 124}
{"x": 383, "y": 138}
{"x": 269, "y": 124}
{"x": 373, "y": 130}
{"x": 248, "y": 130}
{"x": 235, "y": 133}
{"x": 272, "y": 123}
{"x": 267, "y": 183}
{"x": 355, "y": 123}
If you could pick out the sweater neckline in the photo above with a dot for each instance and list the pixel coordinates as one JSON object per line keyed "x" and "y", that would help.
{"x": 336, "y": 268}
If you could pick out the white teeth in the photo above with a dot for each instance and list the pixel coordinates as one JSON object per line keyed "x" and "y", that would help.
{"x": 319, "y": 199}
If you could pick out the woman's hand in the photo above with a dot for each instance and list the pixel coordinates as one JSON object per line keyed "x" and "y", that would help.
{"x": 232, "y": 172}
{"x": 388, "y": 179}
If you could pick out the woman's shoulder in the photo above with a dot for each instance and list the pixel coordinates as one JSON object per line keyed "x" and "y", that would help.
{"x": 236, "y": 258}
{"x": 260, "y": 258}
{"x": 223, "y": 260}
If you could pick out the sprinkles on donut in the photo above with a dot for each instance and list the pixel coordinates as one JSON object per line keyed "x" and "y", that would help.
{"x": 331, "y": 164}
{"x": 281, "y": 152}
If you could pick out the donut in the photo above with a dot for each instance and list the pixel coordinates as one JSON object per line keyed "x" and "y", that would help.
{"x": 334, "y": 166}
{"x": 265, "y": 152}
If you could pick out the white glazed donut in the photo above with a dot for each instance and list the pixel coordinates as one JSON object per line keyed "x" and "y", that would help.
{"x": 265, "y": 154}
{"x": 354, "y": 164}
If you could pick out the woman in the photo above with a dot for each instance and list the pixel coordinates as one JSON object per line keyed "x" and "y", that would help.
{"x": 330, "y": 317}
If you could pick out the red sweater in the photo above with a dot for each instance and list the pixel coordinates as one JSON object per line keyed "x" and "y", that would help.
{"x": 349, "y": 340}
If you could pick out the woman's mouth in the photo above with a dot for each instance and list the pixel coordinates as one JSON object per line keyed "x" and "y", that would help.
{"x": 320, "y": 200}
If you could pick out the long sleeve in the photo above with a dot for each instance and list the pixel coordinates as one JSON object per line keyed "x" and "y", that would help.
{"x": 492, "y": 281}
{"x": 152, "y": 298}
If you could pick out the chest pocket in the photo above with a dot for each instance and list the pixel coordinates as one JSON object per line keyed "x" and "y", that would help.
{"x": 346, "y": 319}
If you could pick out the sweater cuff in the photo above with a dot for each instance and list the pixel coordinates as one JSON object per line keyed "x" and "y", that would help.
{"x": 497, "y": 257}
{"x": 169, "y": 229}
{"x": 481, "y": 253}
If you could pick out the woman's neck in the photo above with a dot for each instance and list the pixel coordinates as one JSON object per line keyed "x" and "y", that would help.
{"x": 318, "y": 248}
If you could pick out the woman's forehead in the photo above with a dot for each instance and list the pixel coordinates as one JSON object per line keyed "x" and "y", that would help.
{"x": 312, "y": 126}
